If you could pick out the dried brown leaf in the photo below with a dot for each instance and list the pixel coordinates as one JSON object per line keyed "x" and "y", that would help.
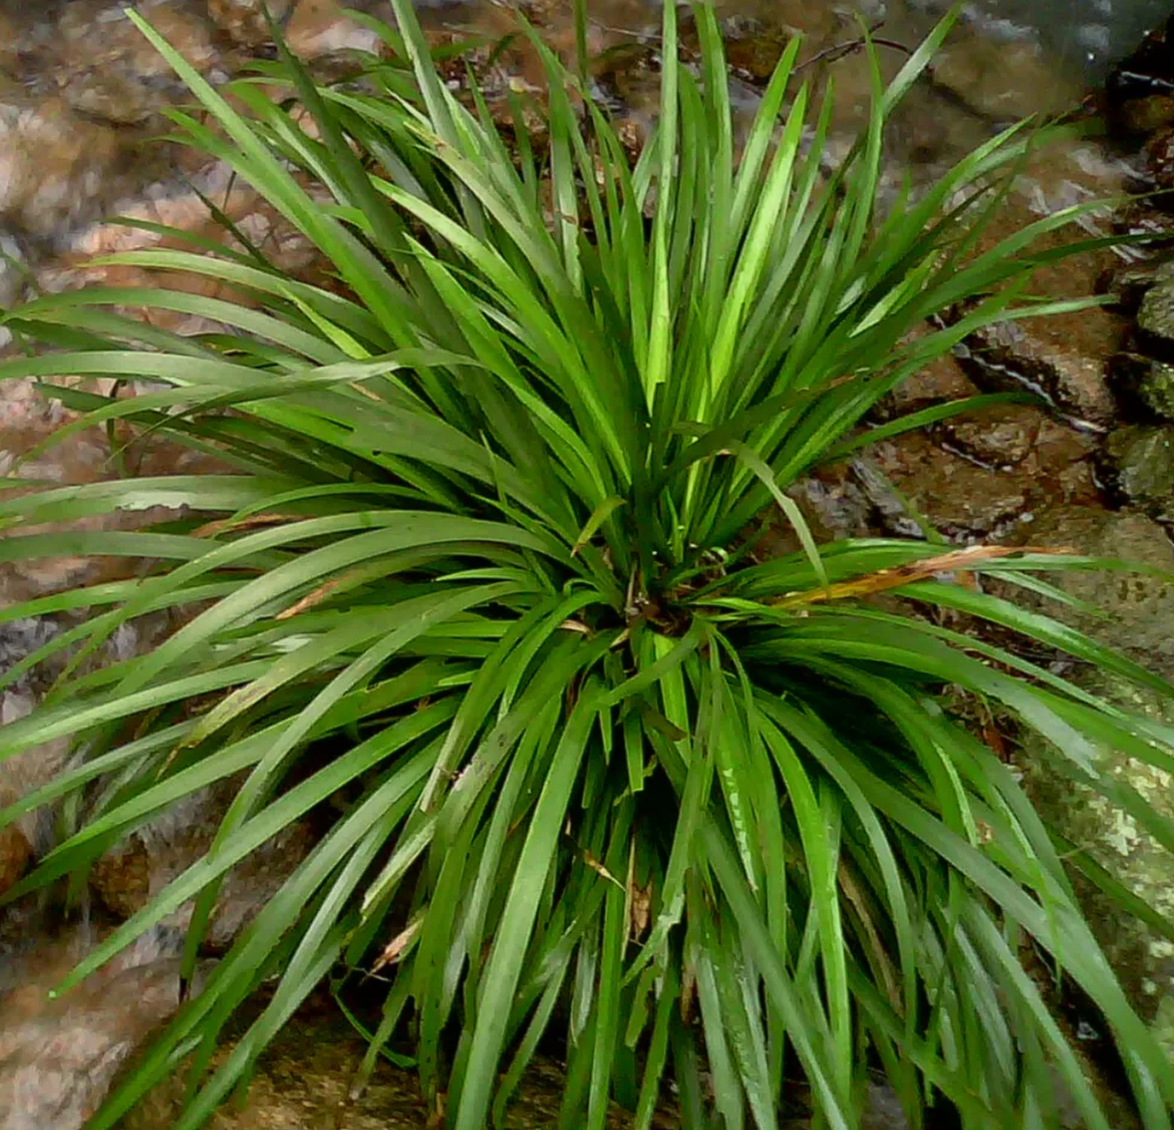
{"x": 885, "y": 579}
{"x": 395, "y": 949}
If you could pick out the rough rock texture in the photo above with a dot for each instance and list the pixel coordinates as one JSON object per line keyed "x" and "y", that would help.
{"x": 302, "y": 1082}
{"x": 1142, "y": 460}
{"x": 57, "y": 167}
{"x": 1136, "y": 610}
{"x": 1136, "y": 97}
{"x": 1149, "y": 383}
{"x": 996, "y": 437}
{"x": 1160, "y": 159}
{"x": 244, "y": 20}
{"x": 138, "y": 868}
{"x": 971, "y": 479}
{"x": 1155, "y": 319}
{"x": 955, "y": 494}
{"x": 1136, "y": 616}
{"x": 1062, "y": 357}
{"x": 58, "y": 1057}
{"x": 939, "y": 382}
{"x": 1144, "y": 959}
{"x": 1003, "y": 81}
{"x": 321, "y": 27}
{"x": 15, "y": 851}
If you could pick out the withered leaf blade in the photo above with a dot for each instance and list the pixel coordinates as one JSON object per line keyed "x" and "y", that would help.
{"x": 396, "y": 948}
{"x": 956, "y": 561}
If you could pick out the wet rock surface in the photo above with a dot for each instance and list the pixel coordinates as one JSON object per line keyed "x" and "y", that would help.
{"x": 1142, "y": 956}
{"x": 1155, "y": 318}
{"x": 1135, "y": 609}
{"x": 1142, "y": 461}
{"x": 1148, "y": 380}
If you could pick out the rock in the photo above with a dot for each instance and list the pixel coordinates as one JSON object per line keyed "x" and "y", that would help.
{"x": 55, "y": 167}
{"x": 1142, "y": 461}
{"x": 755, "y": 56}
{"x": 13, "y": 276}
{"x": 1147, "y": 381}
{"x": 23, "y": 774}
{"x": 1155, "y": 317}
{"x": 996, "y": 437}
{"x": 107, "y": 68}
{"x": 1146, "y": 74}
{"x": 15, "y": 854}
{"x": 1143, "y": 959}
{"x": 942, "y": 380}
{"x": 186, "y": 210}
{"x": 1062, "y": 357}
{"x": 1160, "y": 161}
{"x": 1143, "y": 216}
{"x": 244, "y": 21}
{"x": 982, "y": 475}
{"x": 833, "y": 505}
{"x": 303, "y": 1078}
{"x": 138, "y": 868}
{"x": 1002, "y": 81}
{"x": 321, "y": 27}
{"x": 1059, "y": 468}
{"x": 58, "y": 1057}
{"x": 957, "y": 496}
{"x": 1146, "y": 115}
{"x": 1137, "y": 610}
{"x": 1127, "y": 286}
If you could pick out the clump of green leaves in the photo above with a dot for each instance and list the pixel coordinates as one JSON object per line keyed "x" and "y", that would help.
{"x": 483, "y": 570}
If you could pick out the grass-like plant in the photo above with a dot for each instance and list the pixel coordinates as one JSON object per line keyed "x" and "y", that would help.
{"x": 487, "y": 571}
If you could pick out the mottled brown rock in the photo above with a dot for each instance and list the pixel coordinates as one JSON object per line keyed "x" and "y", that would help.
{"x": 1063, "y": 357}
{"x": 143, "y": 864}
{"x": 955, "y": 494}
{"x": 1147, "y": 115}
{"x": 122, "y": 878}
{"x": 26, "y": 772}
{"x": 1138, "y": 609}
{"x": 187, "y": 211}
{"x": 59, "y": 1057}
{"x": 15, "y": 854}
{"x": 1142, "y": 958}
{"x": 302, "y": 1080}
{"x": 942, "y": 380}
{"x": 1155, "y": 317}
{"x": 1060, "y": 467}
{"x": 1142, "y": 467}
{"x": 55, "y": 166}
{"x": 321, "y": 27}
{"x": 1147, "y": 72}
{"x": 107, "y": 68}
{"x": 755, "y": 56}
{"x": 244, "y": 20}
{"x": 1146, "y": 382}
{"x": 996, "y": 437}
{"x": 1128, "y": 285}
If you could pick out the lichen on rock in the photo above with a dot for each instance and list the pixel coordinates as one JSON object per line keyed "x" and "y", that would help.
{"x": 1142, "y": 957}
